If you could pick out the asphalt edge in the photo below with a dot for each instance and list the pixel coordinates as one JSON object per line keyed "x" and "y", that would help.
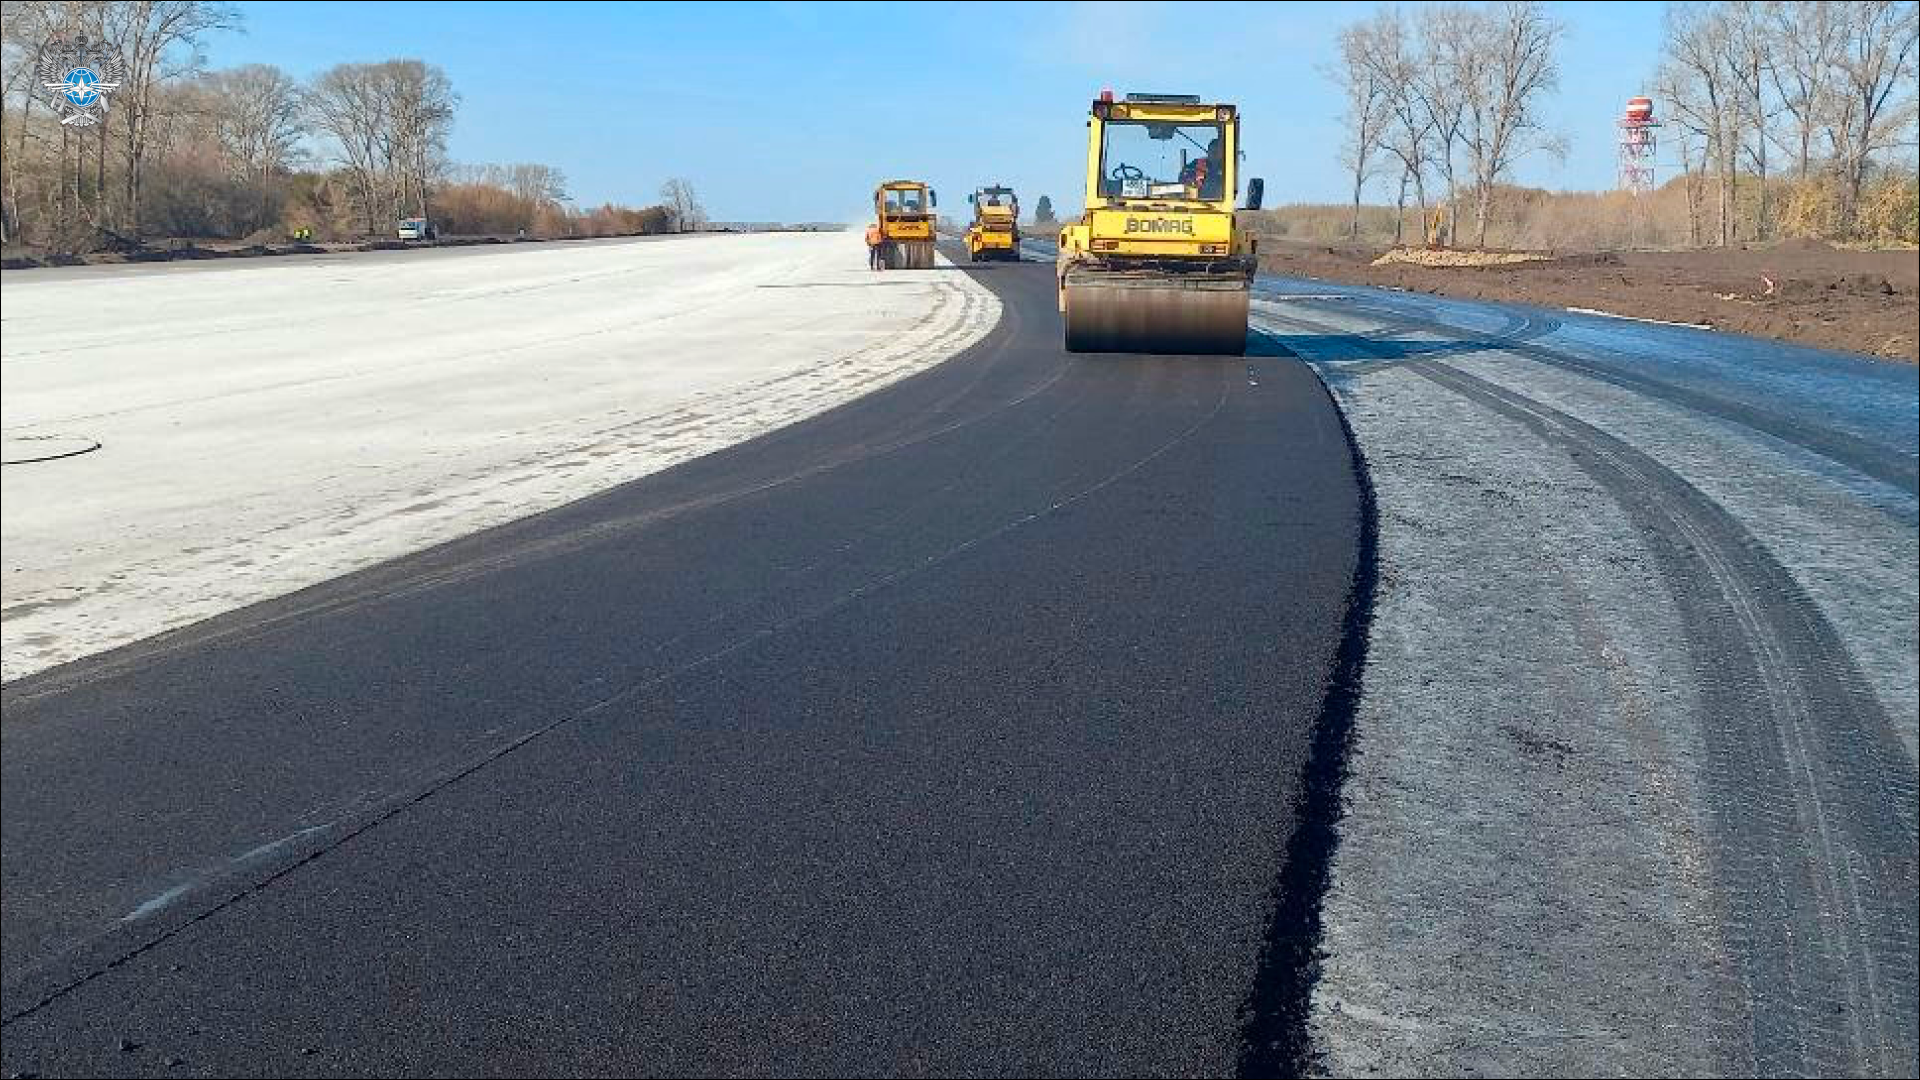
{"x": 1275, "y": 1038}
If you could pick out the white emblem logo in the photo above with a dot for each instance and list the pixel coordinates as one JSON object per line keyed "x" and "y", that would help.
{"x": 79, "y": 73}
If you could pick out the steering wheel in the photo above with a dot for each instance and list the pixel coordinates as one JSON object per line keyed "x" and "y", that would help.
{"x": 1124, "y": 172}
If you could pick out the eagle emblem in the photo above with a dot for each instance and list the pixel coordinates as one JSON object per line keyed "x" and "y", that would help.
{"x": 78, "y": 74}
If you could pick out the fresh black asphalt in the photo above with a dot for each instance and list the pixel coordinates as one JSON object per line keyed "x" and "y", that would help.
{"x": 958, "y": 730}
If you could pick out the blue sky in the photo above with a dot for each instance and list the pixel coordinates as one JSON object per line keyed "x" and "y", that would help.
{"x": 791, "y": 111}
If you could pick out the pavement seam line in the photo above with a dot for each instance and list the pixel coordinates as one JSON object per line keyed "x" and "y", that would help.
{"x": 151, "y": 650}
{"x": 1275, "y": 1035}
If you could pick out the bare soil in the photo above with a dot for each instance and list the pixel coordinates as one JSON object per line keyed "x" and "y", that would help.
{"x": 1801, "y": 291}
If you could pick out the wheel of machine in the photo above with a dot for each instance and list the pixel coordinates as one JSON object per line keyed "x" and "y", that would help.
{"x": 1155, "y": 313}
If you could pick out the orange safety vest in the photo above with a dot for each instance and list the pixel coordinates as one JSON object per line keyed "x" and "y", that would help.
{"x": 873, "y": 236}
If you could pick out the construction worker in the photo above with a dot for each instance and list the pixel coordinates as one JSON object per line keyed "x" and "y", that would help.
{"x": 1204, "y": 173}
{"x": 875, "y": 261}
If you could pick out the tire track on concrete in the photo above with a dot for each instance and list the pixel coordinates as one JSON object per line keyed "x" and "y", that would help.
{"x": 447, "y": 564}
{"x": 1813, "y": 796}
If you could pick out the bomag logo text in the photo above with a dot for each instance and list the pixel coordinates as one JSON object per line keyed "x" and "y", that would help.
{"x": 1182, "y": 225}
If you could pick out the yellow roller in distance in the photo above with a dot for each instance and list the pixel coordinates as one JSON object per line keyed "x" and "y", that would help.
{"x": 904, "y": 224}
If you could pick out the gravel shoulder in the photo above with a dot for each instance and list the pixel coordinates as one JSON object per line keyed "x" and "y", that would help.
{"x": 264, "y": 426}
{"x": 1632, "y": 789}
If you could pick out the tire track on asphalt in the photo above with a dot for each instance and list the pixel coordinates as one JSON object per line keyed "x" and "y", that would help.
{"x": 1520, "y": 336}
{"x": 1813, "y": 796}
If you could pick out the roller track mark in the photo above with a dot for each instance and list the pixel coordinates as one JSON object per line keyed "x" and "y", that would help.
{"x": 1813, "y": 808}
{"x": 1522, "y": 331}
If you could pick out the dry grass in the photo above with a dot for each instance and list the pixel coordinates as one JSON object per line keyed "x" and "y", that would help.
{"x": 1531, "y": 219}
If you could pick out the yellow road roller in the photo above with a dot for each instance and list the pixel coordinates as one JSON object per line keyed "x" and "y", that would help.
{"x": 1157, "y": 263}
{"x": 995, "y": 232}
{"x": 903, "y": 212}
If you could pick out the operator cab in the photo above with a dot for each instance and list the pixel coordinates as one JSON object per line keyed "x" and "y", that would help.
{"x": 1166, "y": 147}
{"x": 997, "y": 195}
{"x": 907, "y": 202}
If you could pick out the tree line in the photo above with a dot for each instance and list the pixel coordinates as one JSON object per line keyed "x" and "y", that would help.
{"x": 252, "y": 152}
{"x": 1809, "y": 106}
{"x": 1450, "y": 97}
{"x": 1799, "y": 114}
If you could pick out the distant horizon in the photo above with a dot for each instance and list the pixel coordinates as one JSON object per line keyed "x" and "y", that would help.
{"x": 718, "y": 74}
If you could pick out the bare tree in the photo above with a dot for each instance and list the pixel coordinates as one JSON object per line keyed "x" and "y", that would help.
{"x": 103, "y": 23}
{"x": 221, "y": 154}
{"x": 1693, "y": 162}
{"x": 24, "y": 28}
{"x": 419, "y": 104}
{"x": 1365, "y": 95}
{"x": 1842, "y": 73}
{"x": 536, "y": 183}
{"x": 1701, "y": 97}
{"x": 257, "y": 118}
{"x": 345, "y": 103}
{"x": 1408, "y": 129}
{"x": 683, "y": 205}
{"x": 1747, "y": 54}
{"x": 1875, "y": 84}
{"x": 1445, "y": 32}
{"x": 152, "y": 32}
{"x": 1804, "y": 43}
{"x": 389, "y": 123}
{"x": 67, "y": 196}
{"x": 1502, "y": 72}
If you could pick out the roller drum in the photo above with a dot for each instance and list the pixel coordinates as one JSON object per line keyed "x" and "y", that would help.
{"x": 1147, "y": 312}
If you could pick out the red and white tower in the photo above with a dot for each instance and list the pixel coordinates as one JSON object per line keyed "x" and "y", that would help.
{"x": 1639, "y": 140}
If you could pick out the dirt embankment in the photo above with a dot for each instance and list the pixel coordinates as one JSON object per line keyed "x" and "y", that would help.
{"x": 1801, "y": 291}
